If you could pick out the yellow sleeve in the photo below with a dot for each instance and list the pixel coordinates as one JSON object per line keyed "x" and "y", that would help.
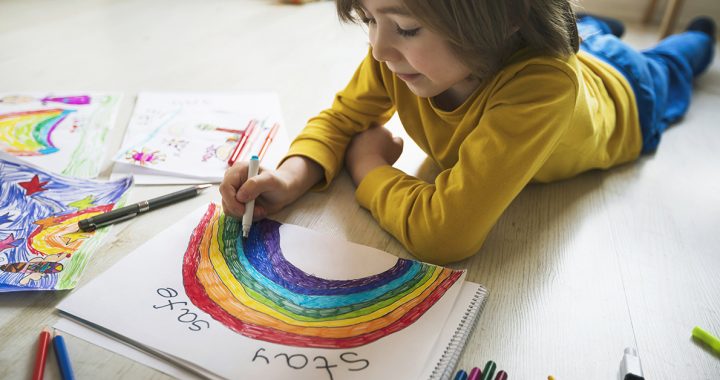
{"x": 364, "y": 101}
{"x": 448, "y": 220}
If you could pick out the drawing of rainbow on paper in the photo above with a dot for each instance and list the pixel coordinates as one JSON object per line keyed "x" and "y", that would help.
{"x": 64, "y": 134}
{"x": 252, "y": 289}
{"x": 29, "y": 133}
{"x": 41, "y": 247}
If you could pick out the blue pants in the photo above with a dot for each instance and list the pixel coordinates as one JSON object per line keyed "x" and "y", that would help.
{"x": 661, "y": 77}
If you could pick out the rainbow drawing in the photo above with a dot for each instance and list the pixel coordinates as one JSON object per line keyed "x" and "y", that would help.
{"x": 251, "y": 288}
{"x": 28, "y": 133}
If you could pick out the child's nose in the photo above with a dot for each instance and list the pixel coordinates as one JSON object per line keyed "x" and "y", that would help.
{"x": 383, "y": 50}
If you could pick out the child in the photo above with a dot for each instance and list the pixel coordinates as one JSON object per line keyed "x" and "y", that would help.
{"x": 498, "y": 93}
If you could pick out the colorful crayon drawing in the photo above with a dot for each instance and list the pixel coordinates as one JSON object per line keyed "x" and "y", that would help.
{"x": 29, "y": 133}
{"x": 176, "y": 145}
{"x": 41, "y": 247}
{"x": 251, "y": 288}
{"x": 36, "y": 268}
{"x": 207, "y": 124}
{"x": 221, "y": 152}
{"x": 62, "y": 134}
{"x": 145, "y": 156}
{"x": 20, "y": 99}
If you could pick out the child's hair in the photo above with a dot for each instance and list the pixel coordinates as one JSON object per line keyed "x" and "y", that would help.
{"x": 485, "y": 33}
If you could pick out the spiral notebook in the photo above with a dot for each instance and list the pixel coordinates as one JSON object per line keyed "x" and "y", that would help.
{"x": 288, "y": 302}
{"x": 457, "y": 331}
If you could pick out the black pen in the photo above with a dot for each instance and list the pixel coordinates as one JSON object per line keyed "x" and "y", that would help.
{"x": 128, "y": 212}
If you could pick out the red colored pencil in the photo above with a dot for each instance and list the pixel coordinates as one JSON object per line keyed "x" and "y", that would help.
{"x": 268, "y": 139}
{"x": 43, "y": 343}
{"x": 242, "y": 142}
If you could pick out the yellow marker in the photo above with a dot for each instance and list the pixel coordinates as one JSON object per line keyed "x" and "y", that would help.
{"x": 551, "y": 377}
{"x": 707, "y": 338}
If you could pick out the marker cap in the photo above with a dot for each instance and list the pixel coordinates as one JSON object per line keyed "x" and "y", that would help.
{"x": 630, "y": 368}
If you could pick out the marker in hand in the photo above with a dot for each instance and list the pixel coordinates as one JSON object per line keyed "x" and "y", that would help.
{"x": 249, "y": 206}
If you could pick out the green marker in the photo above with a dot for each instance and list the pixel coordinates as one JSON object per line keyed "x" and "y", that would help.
{"x": 707, "y": 338}
{"x": 489, "y": 370}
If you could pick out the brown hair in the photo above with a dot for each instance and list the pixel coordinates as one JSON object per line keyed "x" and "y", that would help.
{"x": 485, "y": 33}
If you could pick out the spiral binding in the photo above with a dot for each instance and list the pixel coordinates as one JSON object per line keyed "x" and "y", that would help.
{"x": 450, "y": 356}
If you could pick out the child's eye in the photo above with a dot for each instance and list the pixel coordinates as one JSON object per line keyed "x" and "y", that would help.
{"x": 367, "y": 20}
{"x": 407, "y": 32}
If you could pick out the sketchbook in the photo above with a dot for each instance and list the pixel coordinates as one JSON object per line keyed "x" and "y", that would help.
{"x": 286, "y": 302}
{"x": 63, "y": 132}
{"x": 183, "y": 138}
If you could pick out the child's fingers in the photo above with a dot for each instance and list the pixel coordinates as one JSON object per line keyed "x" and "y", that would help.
{"x": 230, "y": 204}
{"x": 233, "y": 179}
{"x": 259, "y": 212}
{"x": 253, "y": 187}
{"x": 235, "y": 209}
{"x": 236, "y": 175}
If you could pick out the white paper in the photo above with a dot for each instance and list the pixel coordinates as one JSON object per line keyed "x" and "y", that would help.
{"x": 83, "y": 332}
{"x": 128, "y": 300}
{"x": 191, "y": 135}
{"x": 145, "y": 176}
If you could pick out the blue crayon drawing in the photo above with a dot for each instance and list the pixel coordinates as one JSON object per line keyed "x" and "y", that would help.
{"x": 41, "y": 247}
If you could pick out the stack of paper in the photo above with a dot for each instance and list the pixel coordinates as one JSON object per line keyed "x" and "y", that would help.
{"x": 177, "y": 138}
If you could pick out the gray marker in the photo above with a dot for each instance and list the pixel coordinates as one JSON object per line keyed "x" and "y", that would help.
{"x": 249, "y": 206}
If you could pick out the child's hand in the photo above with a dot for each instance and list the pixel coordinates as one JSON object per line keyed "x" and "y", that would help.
{"x": 370, "y": 149}
{"x": 271, "y": 189}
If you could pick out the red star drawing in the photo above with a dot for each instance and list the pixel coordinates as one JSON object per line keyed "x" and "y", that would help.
{"x": 8, "y": 242}
{"x": 33, "y": 186}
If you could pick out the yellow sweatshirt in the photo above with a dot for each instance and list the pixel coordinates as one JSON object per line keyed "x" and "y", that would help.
{"x": 539, "y": 119}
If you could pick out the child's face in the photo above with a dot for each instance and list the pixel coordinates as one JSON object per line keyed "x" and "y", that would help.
{"x": 415, "y": 54}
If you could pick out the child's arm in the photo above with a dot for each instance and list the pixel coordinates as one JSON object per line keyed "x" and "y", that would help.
{"x": 364, "y": 102}
{"x": 371, "y": 149}
{"x": 447, "y": 220}
{"x": 316, "y": 154}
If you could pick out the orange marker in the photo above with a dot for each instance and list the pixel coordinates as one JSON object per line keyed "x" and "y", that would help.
{"x": 268, "y": 139}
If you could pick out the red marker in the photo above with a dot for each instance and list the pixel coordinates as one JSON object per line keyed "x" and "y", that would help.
{"x": 43, "y": 343}
{"x": 268, "y": 139}
{"x": 229, "y": 130}
{"x": 242, "y": 142}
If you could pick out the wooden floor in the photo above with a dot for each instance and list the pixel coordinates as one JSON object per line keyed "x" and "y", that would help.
{"x": 577, "y": 270}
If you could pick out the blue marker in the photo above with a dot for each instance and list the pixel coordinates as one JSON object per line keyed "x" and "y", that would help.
{"x": 461, "y": 375}
{"x": 63, "y": 358}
